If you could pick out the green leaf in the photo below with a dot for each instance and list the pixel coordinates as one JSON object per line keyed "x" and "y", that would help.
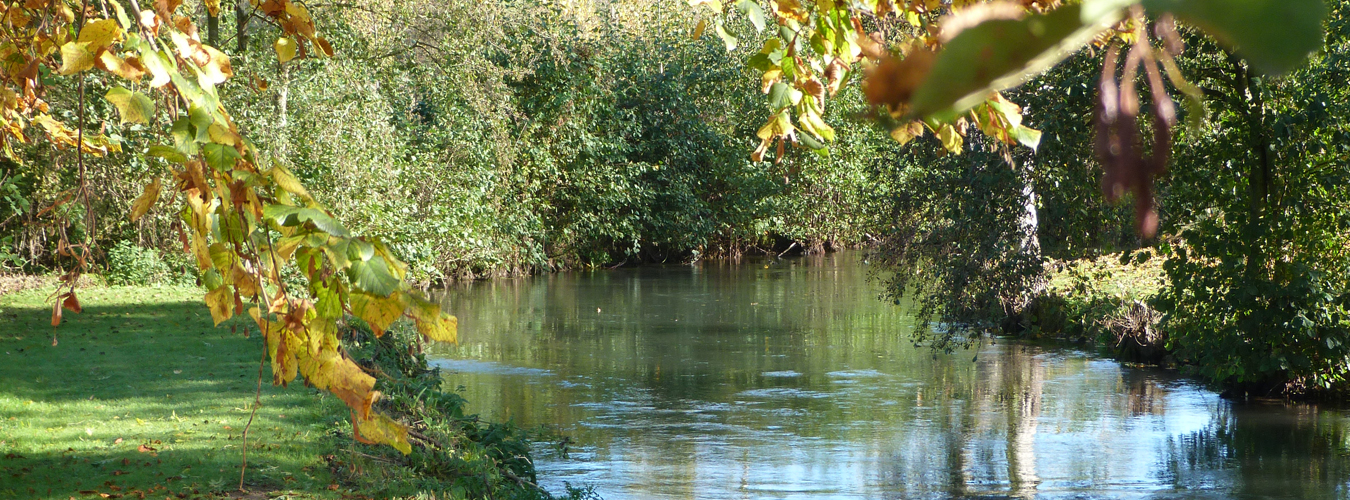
{"x": 1029, "y": 137}
{"x": 167, "y": 153}
{"x": 372, "y": 276}
{"x": 1002, "y": 53}
{"x": 182, "y": 137}
{"x": 201, "y": 122}
{"x": 220, "y": 157}
{"x": 285, "y": 215}
{"x": 779, "y": 96}
{"x": 1274, "y": 35}
{"x": 133, "y": 107}
{"x": 727, "y": 39}
{"x": 753, "y": 11}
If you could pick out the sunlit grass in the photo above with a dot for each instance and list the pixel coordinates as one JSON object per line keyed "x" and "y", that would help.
{"x": 141, "y": 394}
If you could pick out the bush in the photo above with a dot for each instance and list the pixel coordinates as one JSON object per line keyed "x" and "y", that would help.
{"x": 129, "y": 264}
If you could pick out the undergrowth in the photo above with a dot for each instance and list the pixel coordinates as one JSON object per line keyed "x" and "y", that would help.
{"x": 1104, "y": 300}
{"x": 454, "y": 455}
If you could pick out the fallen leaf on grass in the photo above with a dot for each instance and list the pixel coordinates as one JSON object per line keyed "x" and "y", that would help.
{"x": 119, "y": 472}
{"x": 117, "y": 441}
{"x": 145, "y": 449}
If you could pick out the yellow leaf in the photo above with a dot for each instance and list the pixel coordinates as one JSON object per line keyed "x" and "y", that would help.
{"x": 146, "y": 200}
{"x": 379, "y": 429}
{"x": 244, "y": 281}
{"x": 285, "y": 48}
{"x": 217, "y": 68}
{"x": 130, "y": 68}
{"x": 75, "y": 57}
{"x": 336, "y": 374}
{"x": 199, "y": 248}
{"x": 99, "y": 34}
{"x": 221, "y": 303}
{"x": 951, "y": 139}
{"x": 222, "y": 135}
{"x": 698, "y": 30}
{"x": 322, "y": 336}
{"x": 379, "y": 312}
{"x": 284, "y": 360}
{"x": 907, "y": 132}
{"x": 159, "y": 69}
{"x": 444, "y": 328}
{"x": 133, "y": 107}
{"x": 287, "y": 181}
{"x": 212, "y": 7}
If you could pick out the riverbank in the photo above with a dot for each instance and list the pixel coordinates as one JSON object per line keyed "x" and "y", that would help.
{"x": 1106, "y": 301}
{"x": 140, "y": 395}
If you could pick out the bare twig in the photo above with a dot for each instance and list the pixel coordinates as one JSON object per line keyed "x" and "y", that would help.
{"x": 257, "y": 401}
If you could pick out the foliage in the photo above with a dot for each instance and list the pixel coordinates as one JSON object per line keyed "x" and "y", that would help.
{"x": 1259, "y": 294}
{"x": 243, "y": 217}
{"x": 1103, "y": 300}
{"x": 129, "y": 264}
{"x": 457, "y": 454}
{"x": 957, "y": 244}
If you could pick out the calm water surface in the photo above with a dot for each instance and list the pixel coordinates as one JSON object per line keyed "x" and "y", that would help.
{"x": 790, "y": 379}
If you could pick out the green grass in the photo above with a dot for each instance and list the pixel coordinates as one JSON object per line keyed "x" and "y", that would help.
{"x": 143, "y": 368}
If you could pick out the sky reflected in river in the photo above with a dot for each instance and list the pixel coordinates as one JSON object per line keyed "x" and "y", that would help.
{"x": 790, "y": 379}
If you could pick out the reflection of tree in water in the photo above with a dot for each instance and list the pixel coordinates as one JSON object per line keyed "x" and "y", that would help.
{"x": 1265, "y": 451}
{"x": 1144, "y": 393}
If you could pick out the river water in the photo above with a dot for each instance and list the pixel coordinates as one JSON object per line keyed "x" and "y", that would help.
{"x": 789, "y": 379}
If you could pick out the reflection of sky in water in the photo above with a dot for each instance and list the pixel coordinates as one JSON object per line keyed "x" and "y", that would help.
{"x": 793, "y": 381}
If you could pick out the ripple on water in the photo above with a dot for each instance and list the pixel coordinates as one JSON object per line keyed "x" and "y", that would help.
{"x": 486, "y": 367}
{"x": 781, "y": 393}
{"x": 851, "y": 374}
{"x": 782, "y": 374}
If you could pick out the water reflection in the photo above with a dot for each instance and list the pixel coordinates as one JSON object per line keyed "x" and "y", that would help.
{"x": 790, "y": 379}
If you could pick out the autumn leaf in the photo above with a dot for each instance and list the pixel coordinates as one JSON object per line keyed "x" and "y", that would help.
{"x": 99, "y": 34}
{"x": 444, "y": 328}
{"x": 129, "y": 68}
{"x": 433, "y": 323}
{"x": 56, "y": 314}
{"x": 378, "y": 312}
{"x": 71, "y": 303}
{"x": 75, "y": 57}
{"x": 221, "y": 303}
{"x": 147, "y": 199}
{"x": 332, "y": 372}
{"x": 285, "y": 49}
{"x": 133, "y": 107}
{"x": 379, "y": 429}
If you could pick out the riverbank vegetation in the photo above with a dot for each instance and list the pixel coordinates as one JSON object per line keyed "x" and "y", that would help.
{"x": 467, "y": 140}
{"x": 126, "y": 405}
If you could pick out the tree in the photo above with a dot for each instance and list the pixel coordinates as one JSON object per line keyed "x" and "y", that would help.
{"x": 244, "y": 218}
{"x": 938, "y": 67}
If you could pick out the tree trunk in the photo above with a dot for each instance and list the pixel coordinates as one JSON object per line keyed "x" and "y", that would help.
{"x": 283, "y": 111}
{"x": 241, "y": 18}
{"x": 212, "y": 30}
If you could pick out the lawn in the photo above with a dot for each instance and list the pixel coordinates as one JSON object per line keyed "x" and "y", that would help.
{"x": 141, "y": 397}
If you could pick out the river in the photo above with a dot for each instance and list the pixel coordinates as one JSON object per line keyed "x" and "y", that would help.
{"x": 788, "y": 379}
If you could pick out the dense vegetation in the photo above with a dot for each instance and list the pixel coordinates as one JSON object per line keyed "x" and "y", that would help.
{"x": 520, "y": 138}
{"x": 487, "y": 139}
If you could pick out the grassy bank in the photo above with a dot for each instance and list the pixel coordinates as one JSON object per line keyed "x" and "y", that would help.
{"x": 141, "y": 397}
{"x": 1105, "y": 300}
